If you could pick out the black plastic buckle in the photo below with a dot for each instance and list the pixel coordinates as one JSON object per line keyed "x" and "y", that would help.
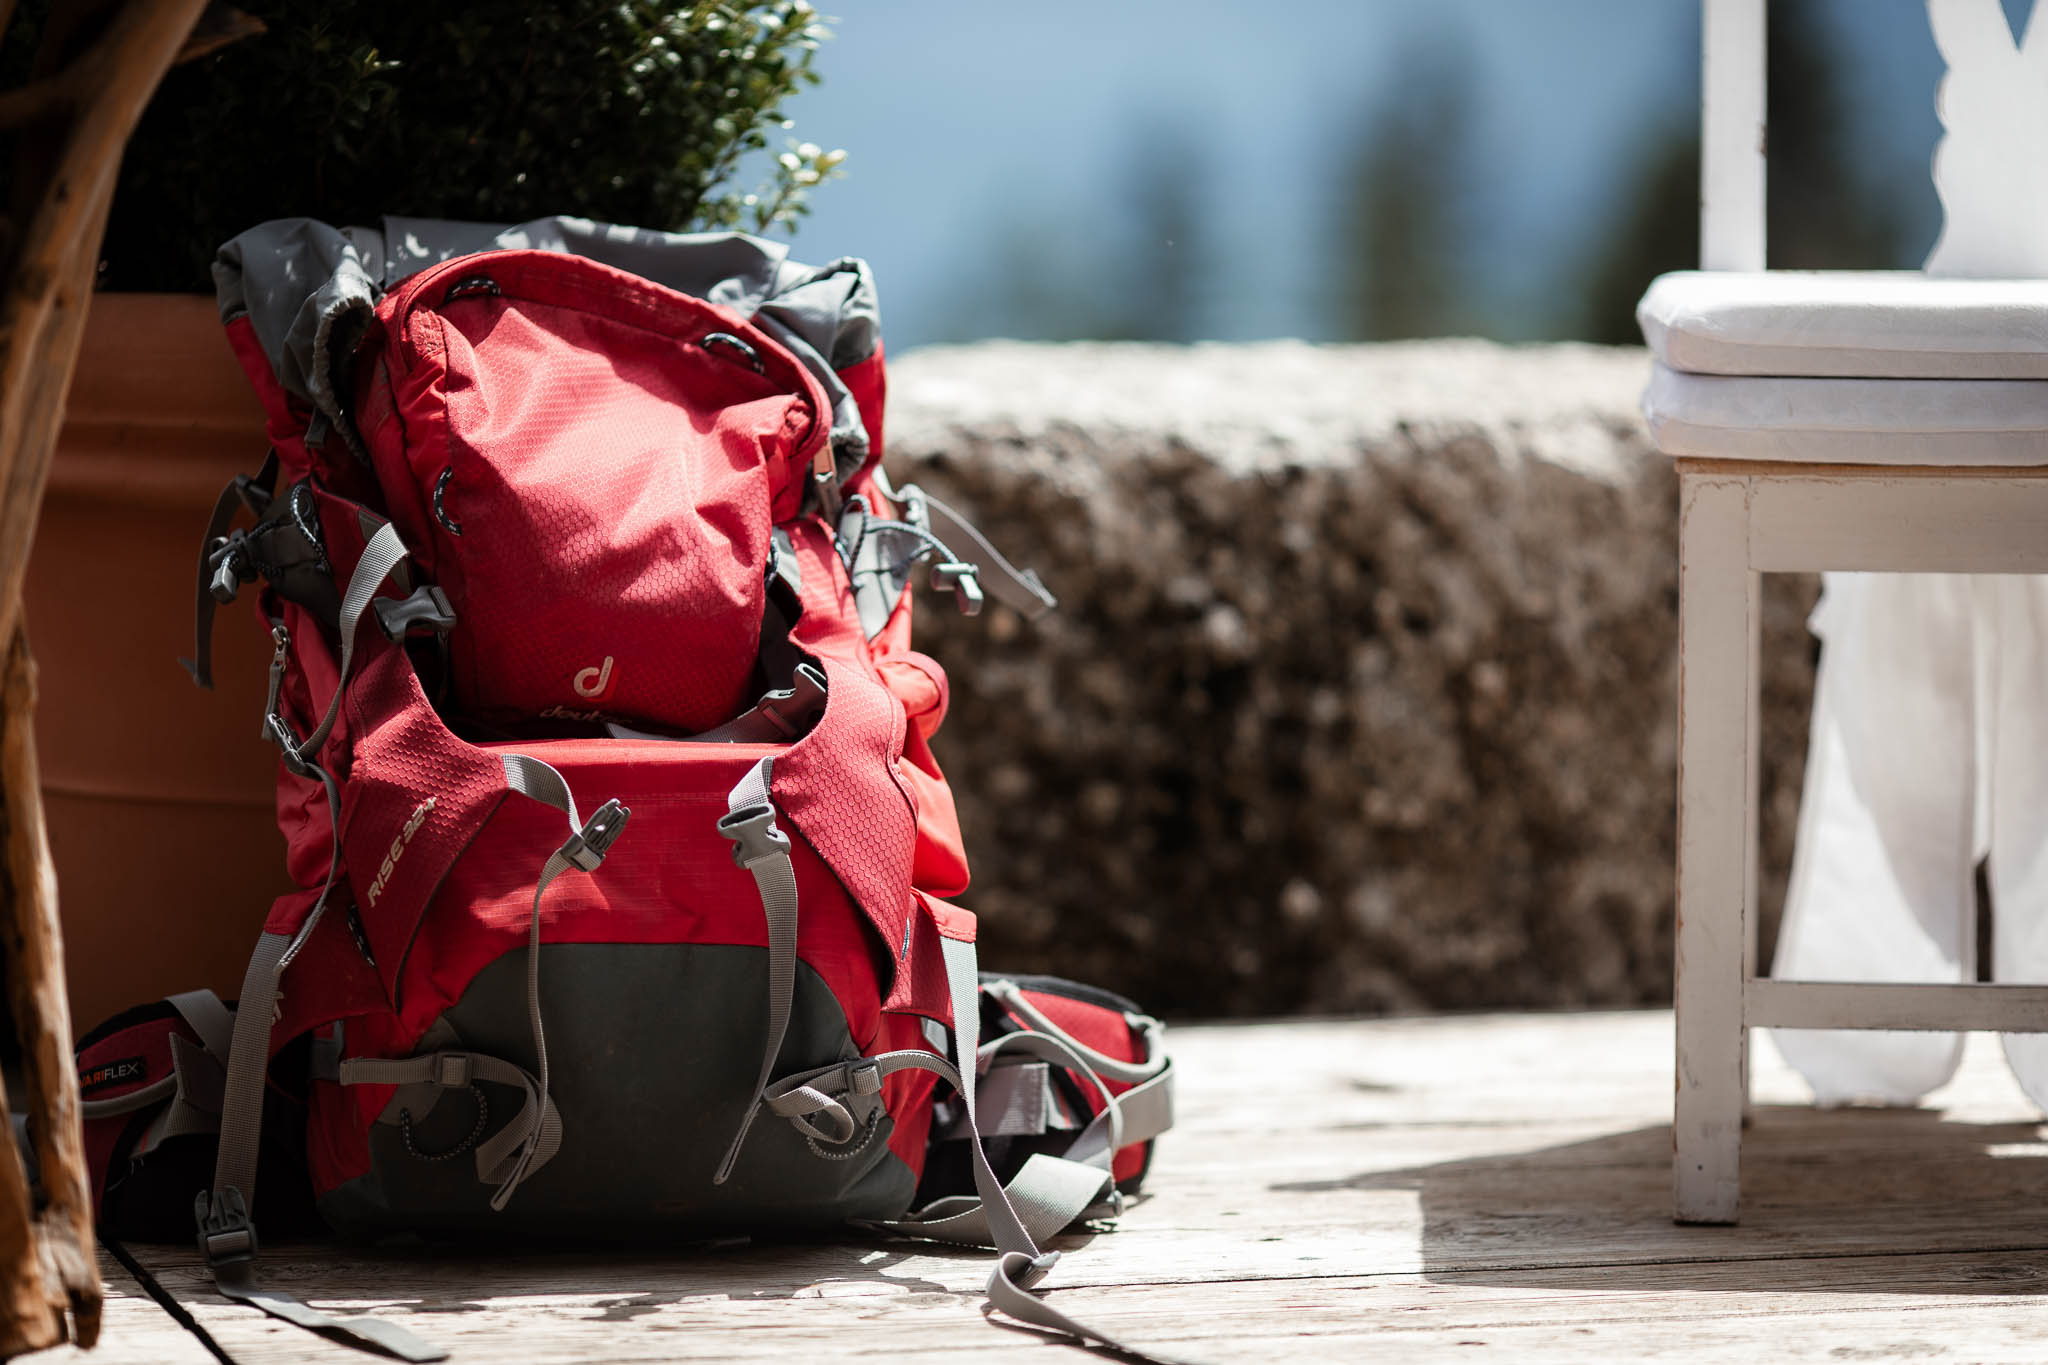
{"x": 280, "y": 734}
{"x": 754, "y": 835}
{"x": 587, "y": 846}
{"x": 427, "y": 609}
{"x": 226, "y": 1233}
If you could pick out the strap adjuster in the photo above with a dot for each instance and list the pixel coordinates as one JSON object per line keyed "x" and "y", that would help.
{"x": 754, "y": 835}
{"x": 427, "y": 609}
{"x": 587, "y": 846}
{"x": 226, "y": 1233}
{"x": 279, "y": 733}
{"x": 960, "y": 579}
{"x": 452, "y": 1070}
{"x": 229, "y": 561}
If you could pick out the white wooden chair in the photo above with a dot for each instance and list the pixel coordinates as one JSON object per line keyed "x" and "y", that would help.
{"x": 1891, "y": 422}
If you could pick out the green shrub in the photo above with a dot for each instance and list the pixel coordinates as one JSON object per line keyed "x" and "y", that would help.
{"x": 629, "y": 111}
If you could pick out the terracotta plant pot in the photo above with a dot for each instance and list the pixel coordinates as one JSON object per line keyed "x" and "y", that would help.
{"x": 158, "y": 794}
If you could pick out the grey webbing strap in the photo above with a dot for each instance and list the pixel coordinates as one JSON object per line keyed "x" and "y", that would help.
{"x": 1017, "y": 1100}
{"x": 498, "y": 1159}
{"x": 1019, "y": 1265}
{"x": 200, "y": 1080}
{"x": 1111, "y": 1068}
{"x": 215, "y": 1025}
{"x": 227, "y": 1237}
{"x": 1013, "y": 587}
{"x": 1006, "y": 1232}
{"x": 241, "y": 1117}
{"x": 380, "y": 557}
{"x": 762, "y": 849}
{"x": 162, "y": 1088}
{"x": 516, "y": 1152}
{"x": 364, "y": 1333}
{"x": 1099, "y": 1141}
{"x": 204, "y": 1013}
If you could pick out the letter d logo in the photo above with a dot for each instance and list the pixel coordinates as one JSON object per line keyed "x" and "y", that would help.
{"x": 595, "y": 682}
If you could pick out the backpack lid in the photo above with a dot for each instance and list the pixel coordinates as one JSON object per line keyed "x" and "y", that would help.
{"x": 308, "y": 290}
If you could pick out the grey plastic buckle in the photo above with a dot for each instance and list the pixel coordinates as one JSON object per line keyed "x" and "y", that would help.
{"x": 452, "y": 1070}
{"x": 794, "y": 709}
{"x": 226, "y": 1233}
{"x": 229, "y": 561}
{"x": 754, "y": 835}
{"x": 428, "y": 609}
{"x": 587, "y": 846}
{"x": 959, "y": 578}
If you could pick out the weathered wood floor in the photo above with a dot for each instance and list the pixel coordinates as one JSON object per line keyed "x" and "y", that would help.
{"x": 1457, "y": 1189}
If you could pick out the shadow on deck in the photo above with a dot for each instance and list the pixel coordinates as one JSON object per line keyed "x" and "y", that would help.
{"x": 1841, "y": 1199}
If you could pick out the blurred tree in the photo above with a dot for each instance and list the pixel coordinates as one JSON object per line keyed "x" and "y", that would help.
{"x": 1402, "y": 238}
{"x": 1160, "y": 289}
{"x": 1137, "y": 274}
{"x": 1656, "y": 229}
{"x": 1822, "y": 211}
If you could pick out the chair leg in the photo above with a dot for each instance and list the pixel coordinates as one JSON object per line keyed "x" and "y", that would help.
{"x": 1717, "y": 684}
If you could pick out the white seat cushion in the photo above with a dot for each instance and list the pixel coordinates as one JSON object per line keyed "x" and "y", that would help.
{"x": 1990, "y": 422}
{"x": 1847, "y": 324}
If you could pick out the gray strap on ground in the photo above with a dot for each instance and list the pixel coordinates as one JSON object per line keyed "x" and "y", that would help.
{"x": 1019, "y": 1265}
{"x": 365, "y": 1333}
{"x": 383, "y": 554}
{"x": 761, "y": 847}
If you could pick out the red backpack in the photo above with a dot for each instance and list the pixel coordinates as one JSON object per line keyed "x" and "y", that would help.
{"x": 606, "y": 781}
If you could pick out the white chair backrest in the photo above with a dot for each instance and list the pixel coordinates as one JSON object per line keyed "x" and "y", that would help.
{"x": 1732, "y": 134}
{"x": 1988, "y": 170}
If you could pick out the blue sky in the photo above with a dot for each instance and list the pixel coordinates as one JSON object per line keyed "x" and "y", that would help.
{"x": 983, "y": 134}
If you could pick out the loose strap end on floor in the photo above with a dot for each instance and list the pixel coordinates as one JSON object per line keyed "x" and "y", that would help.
{"x": 364, "y": 1333}
{"x": 1020, "y": 1265}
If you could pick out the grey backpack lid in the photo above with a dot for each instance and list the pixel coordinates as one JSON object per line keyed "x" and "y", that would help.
{"x": 308, "y": 290}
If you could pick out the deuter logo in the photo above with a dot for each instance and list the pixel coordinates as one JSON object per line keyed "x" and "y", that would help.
{"x": 108, "y": 1074}
{"x": 398, "y": 845}
{"x": 596, "y": 682}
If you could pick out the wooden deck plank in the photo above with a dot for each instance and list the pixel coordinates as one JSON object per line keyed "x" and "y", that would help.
{"x": 1366, "y": 1191}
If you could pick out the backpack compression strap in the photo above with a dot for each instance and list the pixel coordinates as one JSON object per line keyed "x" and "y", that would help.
{"x": 1050, "y": 1193}
{"x": 227, "y": 1232}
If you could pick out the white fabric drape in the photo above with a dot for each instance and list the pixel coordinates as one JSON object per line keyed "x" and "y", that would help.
{"x": 1928, "y": 752}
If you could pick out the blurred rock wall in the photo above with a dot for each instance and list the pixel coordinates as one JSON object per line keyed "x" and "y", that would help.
{"x": 1361, "y": 693}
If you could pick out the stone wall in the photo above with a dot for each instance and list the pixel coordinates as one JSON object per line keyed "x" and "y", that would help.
{"x": 1361, "y": 693}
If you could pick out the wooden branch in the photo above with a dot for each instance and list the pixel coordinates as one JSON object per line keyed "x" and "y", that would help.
{"x": 47, "y": 1264}
{"x": 50, "y": 285}
{"x": 219, "y": 26}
